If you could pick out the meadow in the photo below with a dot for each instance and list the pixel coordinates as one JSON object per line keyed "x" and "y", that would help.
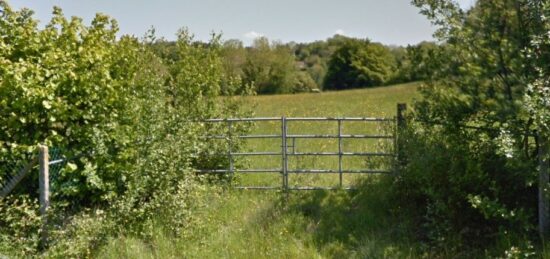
{"x": 371, "y": 102}
{"x": 304, "y": 224}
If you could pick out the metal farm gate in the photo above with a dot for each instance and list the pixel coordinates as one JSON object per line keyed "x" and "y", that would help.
{"x": 288, "y": 144}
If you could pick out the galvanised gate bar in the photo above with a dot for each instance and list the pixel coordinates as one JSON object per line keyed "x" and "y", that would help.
{"x": 285, "y": 153}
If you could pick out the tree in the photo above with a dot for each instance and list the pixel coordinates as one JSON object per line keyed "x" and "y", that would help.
{"x": 417, "y": 62}
{"x": 472, "y": 160}
{"x": 80, "y": 88}
{"x": 66, "y": 85}
{"x": 537, "y": 97}
{"x": 234, "y": 57}
{"x": 270, "y": 67}
{"x": 359, "y": 63}
{"x": 485, "y": 58}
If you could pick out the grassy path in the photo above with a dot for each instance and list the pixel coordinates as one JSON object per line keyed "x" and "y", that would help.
{"x": 320, "y": 224}
{"x": 254, "y": 225}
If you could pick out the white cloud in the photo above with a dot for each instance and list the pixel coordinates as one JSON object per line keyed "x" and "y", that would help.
{"x": 340, "y": 32}
{"x": 252, "y": 35}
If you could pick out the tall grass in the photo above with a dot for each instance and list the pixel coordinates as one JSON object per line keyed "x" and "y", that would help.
{"x": 319, "y": 224}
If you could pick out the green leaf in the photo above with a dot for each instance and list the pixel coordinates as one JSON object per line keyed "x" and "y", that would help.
{"x": 72, "y": 167}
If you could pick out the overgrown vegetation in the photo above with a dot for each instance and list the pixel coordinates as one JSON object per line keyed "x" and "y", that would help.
{"x": 311, "y": 224}
{"x": 131, "y": 117}
{"x": 127, "y": 112}
{"x": 321, "y": 224}
{"x": 471, "y": 179}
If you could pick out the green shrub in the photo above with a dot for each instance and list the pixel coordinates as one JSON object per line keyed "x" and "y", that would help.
{"x": 168, "y": 213}
{"x": 133, "y": 119}
{"x": 19, "y": 226}
{"x": 304, "y": 83}
{"x": 461, "y": 193}
{"x": 471, "y": 178}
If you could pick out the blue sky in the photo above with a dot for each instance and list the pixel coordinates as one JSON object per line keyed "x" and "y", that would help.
{"x": 387, "y": 21}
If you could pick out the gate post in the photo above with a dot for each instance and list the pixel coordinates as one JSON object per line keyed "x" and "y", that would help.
{"x": 230, "y": 150}
{"x": 401, "y": 108}
{"x": 340, "y": 151}
{"x": 284, "y": 154}
{"x": 401, "y": 123}
{"x": 543, "y": 207}
{"x": 44, "y": 190}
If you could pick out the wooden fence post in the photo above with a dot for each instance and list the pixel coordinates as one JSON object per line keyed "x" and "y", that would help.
{"x": 401, "y": 124}
{"x": 44, "y": 189}
{"x": 401, "y": 108}
{"x": 543, "y": 207}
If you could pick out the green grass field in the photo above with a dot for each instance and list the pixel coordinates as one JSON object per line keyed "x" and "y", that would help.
{"x": 306, "y": 224}
{"x": 374, "y": 102}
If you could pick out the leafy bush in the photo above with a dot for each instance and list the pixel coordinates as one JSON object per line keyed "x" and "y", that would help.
{"x": 461, "y": 192}
{"x": 470, "y": 181}
{"x": 66, "y": 86}
{"x": 169, "y": 210}
{"x": 20, "y": 224}
{"x": 132, "y": 118}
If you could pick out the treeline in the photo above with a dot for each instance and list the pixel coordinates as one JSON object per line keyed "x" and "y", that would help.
{"x": 338, "y": 63}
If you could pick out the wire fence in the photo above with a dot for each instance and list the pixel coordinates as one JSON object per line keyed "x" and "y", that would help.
{"x": 58, "y": 161}
{"x": 16, "y": 165}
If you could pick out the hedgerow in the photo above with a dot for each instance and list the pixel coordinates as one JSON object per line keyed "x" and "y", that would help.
{"x": 129, "y": 120}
